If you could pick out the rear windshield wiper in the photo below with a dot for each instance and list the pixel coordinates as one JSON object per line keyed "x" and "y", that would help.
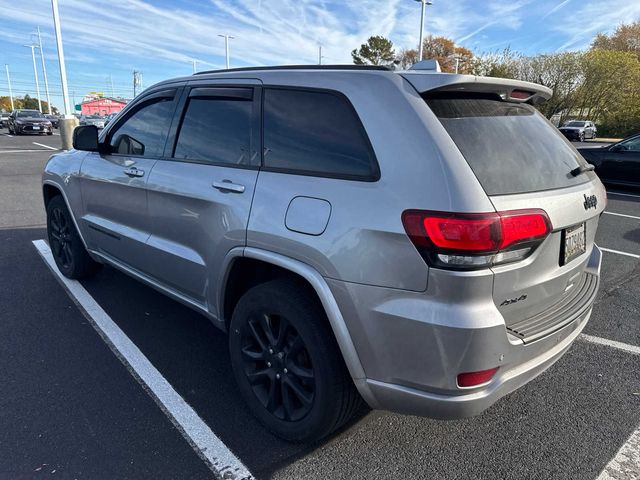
{"x": 582, "y": 169}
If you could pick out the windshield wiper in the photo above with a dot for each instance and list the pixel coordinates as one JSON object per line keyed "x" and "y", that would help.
{"x": 582, "y": 169}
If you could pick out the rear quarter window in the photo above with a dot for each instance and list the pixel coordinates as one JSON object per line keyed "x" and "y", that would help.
{"x": 510, "y": 147}
{"x": 315, "y": 133}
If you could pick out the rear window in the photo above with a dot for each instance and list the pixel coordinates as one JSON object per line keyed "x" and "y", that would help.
{"x": 510, "y": 147}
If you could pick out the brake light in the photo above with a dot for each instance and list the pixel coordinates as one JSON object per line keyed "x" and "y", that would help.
{"x": 475, "y": 240}
{"x": 473, "y": 379}
{"x": 520, "y": 94}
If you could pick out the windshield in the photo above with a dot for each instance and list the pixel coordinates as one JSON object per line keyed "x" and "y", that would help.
{"x": 510, "y": 147}
{"x": 575, "y": 124}
{"x": 29, "y": 114}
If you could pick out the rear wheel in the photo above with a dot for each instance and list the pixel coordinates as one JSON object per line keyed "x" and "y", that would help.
{"x": 66, "y": 245}
{"x": 581, "y": 137}
{"x": 287, "y": 363}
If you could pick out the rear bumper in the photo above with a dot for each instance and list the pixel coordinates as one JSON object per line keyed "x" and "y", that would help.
{"x": 411, "y": 365}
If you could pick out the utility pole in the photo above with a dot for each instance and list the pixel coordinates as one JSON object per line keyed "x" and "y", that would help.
{"x": 6, "y": 67}
{"x": 44, "y": 71}
{"x": 35, "y": 74}
{"x": 111, "y": 82}
{"x": 319, "y": 54}
{"x": 226, "y": 47}
{"x": 195, "y": 67}
{"x": 424, "y": 5}
{"x": 137, "y": 81}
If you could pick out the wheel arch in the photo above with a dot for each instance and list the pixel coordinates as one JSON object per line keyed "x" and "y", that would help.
{"x": 51, "y": 189}
{"x": 317, "y": 284}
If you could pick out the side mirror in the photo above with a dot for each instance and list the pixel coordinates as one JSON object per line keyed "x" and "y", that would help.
{"x": 85, "y": 138}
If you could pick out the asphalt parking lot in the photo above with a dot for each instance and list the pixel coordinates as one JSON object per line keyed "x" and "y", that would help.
{"x": 70, "y": 408}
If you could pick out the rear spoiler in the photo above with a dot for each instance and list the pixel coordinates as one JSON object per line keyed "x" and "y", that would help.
{"x": 513, "y": 90}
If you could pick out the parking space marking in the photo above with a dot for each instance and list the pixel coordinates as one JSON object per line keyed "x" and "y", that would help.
{"x": 22, "y": 151}
{"x": 45, "y": 146}
{"x": 626, "y": 463}
{"x": 207, "y": 445}
{"x": 6, "y": 135}
{"x": 611, "y": 343}
{"x": 610, "y": 250}
{"x": 623, "y": 194}
{"x": 622, "y": 215}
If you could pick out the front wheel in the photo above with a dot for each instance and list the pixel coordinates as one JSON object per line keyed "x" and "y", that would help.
{"x": 581, "y": 137}
{"x": 69, "y": 253}
{"x": 287, "y": 363}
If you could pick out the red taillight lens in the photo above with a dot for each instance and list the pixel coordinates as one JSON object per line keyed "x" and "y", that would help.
{"x": 475, "y": 240}
{"x": 473, "y": 379}
{"x": 520, "y": 94}
{"x": 463, "y": 233}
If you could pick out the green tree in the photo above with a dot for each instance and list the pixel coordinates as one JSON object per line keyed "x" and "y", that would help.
{"x": 377, "y": 51}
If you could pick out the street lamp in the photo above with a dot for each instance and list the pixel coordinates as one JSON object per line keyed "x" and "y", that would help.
{"x": 424, "y": 5}
{"x": 226, "y": 47}
{"x": 35, "y": 74}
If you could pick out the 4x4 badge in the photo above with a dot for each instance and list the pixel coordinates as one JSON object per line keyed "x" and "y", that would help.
{"x": 590, "y": 201}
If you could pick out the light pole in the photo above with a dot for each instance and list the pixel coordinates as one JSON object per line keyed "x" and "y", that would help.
{"x": 319, "y": 54}
{"x": 35, "y": 74}
{"x": 63, "y": 70}
{"x": 68, "y": 123}
{"x": 44, "y": 72}
{"x": 195, "y": 67}
{"x": 424, "y": 6}
{"x": 6, "y": 67}
{"x": 226, "y": 47}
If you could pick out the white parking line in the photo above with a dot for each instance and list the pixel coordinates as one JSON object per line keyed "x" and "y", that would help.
{"x": 626, "y": 463}
{"x": 6, "y": 135}
{"x": 623, "y": 194}
{"x": 611, "y": 343}
{"x": 610, "y": 250}
{"x": 622, "y": 215}
{"x": 45, "y": 146}
{"x": 207, "y": 445}
{"x": 22, "y": 151}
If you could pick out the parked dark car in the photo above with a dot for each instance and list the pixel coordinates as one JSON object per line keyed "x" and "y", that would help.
{"x": 579, "y": 130}
{"x": 29, "y": 121}
{"x": 54, "y": 119}
{"x": 618, "y": 163}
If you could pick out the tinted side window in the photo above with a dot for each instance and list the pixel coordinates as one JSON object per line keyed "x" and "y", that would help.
{"x": 216, "y": 130}
{"x": 315, "y": 133}
{"x": 145, "y": 131}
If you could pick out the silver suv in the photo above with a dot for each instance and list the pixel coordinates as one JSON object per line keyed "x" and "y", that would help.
{"x": 422, "y": 242}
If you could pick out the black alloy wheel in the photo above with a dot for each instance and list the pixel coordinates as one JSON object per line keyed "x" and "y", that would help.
{"x": 67, "y": 248}
{"x": 60, "y": 238}
{"x": 287, "y": 363}
{"x": 278, "y": 367}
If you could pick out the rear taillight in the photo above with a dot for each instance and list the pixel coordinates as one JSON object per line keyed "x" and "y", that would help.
{"x": 475, "y": 240}
{"x": 475, "y": 379}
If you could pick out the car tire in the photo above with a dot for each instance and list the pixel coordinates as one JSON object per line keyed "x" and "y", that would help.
{"x": 67, "y": 248}
{"x": 581, "y": 137}
{"x": 287, "y": 363}
{"x": 49, "y": 133}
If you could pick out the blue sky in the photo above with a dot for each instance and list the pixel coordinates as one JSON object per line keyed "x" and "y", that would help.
{"x": 105, "y": 41}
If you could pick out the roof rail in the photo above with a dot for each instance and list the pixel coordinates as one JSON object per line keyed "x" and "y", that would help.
{"x": 301, "y": 67}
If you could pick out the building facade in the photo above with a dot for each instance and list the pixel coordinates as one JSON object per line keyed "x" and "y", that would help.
{"x": 102, "y": 106}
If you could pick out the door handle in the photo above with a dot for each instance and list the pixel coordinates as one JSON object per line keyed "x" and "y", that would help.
{"x": 134, "y": 172}
{"x": 228, "y": 186}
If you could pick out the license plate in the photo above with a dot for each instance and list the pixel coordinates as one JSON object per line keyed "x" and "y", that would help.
{"x": 574, "y": 242}
{"x": 36, "y": 127}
